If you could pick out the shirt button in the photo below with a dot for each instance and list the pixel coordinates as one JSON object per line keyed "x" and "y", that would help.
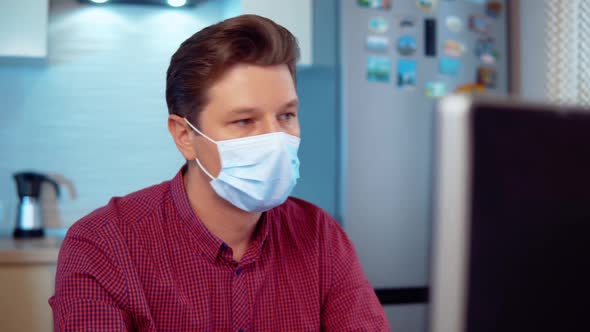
{"x": 223, "y": 246}
{"x": 238, "y": 271}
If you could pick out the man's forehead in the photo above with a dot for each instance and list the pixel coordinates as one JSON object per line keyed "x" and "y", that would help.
{"x": 251, "y": 87}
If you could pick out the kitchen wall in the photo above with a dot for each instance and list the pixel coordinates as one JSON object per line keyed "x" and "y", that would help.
{"x": 95, "y": 110}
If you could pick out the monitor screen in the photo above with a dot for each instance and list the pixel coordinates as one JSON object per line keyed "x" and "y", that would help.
{"x": 525, "y": 263}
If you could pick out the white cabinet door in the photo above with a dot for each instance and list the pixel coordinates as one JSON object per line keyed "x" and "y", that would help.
{"x": 23, "y": 28}
{"x": 295, "y": 15}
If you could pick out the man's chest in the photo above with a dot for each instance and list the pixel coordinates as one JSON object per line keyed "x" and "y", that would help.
{"x": 275, "y": 292}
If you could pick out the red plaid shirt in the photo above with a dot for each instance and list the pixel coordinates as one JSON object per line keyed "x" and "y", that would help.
{"x": 145, "y": 262}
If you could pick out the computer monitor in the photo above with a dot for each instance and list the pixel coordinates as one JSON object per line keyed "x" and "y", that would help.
{"x": 511, "y": 226}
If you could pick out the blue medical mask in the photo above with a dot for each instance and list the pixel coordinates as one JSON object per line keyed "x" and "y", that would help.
{"x": 257, "y": 172}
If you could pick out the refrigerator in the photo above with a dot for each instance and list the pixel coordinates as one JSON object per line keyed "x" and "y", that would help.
{"x": 397, "y": 57}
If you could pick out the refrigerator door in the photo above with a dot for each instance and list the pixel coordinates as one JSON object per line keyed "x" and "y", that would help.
{"x": 397, "y": 57}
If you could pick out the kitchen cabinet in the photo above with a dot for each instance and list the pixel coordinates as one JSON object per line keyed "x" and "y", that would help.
{"x": 27, "y": 279}
{"x": 296, "y": 16}
{"x": 23, "y": 28}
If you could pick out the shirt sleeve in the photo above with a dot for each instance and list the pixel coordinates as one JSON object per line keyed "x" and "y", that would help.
{"x": 351, "y": 303}
{"x": 90, "y": 289}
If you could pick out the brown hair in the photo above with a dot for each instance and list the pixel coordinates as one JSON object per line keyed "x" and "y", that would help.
{"x": 209, "y": 53}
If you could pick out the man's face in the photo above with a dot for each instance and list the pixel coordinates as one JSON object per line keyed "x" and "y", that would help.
{"x": 247, "y": 100}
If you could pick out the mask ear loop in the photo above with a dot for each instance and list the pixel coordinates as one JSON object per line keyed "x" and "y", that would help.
{"x": 210, "y": 140}
{"x": 203, "y": 169}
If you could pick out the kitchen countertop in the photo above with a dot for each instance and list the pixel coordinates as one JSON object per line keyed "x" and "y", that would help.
{"x": 27, "y": 251}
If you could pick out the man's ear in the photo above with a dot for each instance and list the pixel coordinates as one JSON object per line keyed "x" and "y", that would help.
{"x": 183, "y": 136}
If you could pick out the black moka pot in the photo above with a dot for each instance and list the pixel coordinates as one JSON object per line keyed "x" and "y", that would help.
{"x": 29, "y": 219}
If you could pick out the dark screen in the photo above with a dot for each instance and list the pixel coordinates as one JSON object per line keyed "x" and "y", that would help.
{"x": 530, "y": 221}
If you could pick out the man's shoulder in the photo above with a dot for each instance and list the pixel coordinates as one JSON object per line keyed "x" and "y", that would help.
{"x": 300, "y": 208}
{"x": 309, "y": 228}
{"x": 122, "y": 211}
{"x": 303, "y": 216}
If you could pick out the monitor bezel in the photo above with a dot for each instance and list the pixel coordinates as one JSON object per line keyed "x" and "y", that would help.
{"x": 449, "y": 255}
{"x": 452, "y": 202}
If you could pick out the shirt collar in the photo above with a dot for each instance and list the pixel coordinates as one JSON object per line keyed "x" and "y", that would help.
{"x": 210, "y": 246}
{"x": 260, "y": 237}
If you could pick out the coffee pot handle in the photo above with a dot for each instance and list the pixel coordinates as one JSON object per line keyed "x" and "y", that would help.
{"x": 54, "y": 183}
{"x": 58, "y": 180}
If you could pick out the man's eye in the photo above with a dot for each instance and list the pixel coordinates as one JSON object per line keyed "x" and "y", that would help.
{"x": 287, "y": 116}
{"x": 243, "y": 122}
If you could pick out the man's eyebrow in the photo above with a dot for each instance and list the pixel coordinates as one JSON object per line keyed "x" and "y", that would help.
{"x": 292, "y": 103}
{"x": 243, "y": 110}
{"x": 250, "y": 110}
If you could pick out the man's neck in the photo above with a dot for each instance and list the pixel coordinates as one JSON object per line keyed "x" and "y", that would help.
{"x": 232, "y": 225}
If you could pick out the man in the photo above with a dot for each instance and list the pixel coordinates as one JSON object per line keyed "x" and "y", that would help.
{"x": 220, "y": 247}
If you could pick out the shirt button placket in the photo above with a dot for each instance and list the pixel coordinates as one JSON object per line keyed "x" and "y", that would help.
{"x": 240, "y": 303}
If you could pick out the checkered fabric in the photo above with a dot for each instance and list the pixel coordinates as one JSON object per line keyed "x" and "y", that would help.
{"x": 145, "y": 262}
{"x": 568, "y": 51}
{"x": 584, "y": 52}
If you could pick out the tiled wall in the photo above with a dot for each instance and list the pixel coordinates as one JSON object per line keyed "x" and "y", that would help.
{"x": 95, "y": 112}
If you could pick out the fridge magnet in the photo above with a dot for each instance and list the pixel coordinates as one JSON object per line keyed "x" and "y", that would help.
{"x": 454, "y": 48}
{"x": 430, "y": 43}
{"x": 378, "y": 25}
{"x": 406, "y": 45}
{"x": 406, "y": 73}
{"x": 478, "y": 23}
{"x": 486, "y": 77}
{"x": 378, "y": 69}
{"x": 426, "y": 5}
{"x": 377, "y": 43}
{"x": 406, "y": 22}
{"x": 375, "y": 4}
{"x": 485, "y": 50}
{"x": 449, "y": 66}
{"x": 454, "y": 23}
{"x": 470, "y": 88}
{"x": 493, "y": 8}
{"x": 489, "y": 58}
{"x": 435, "y": 89}
{"x": 479, "y": 2}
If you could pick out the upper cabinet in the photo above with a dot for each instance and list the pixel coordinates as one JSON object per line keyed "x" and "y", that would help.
{"x": 295, "y": 15}
{"x": 23, "y": 28}
{"x": 24, "y": 25}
